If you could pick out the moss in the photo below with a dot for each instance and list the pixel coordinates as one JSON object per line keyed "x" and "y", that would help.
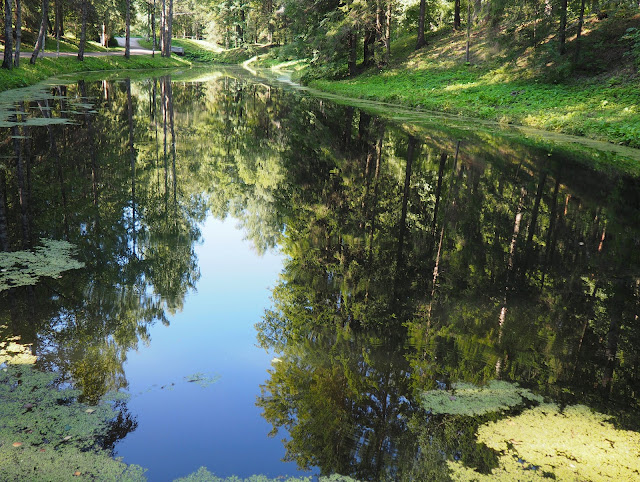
{"x": 546, "y": 442}
{"x": 469, "y": 399}
{"x": 23, "y": 268}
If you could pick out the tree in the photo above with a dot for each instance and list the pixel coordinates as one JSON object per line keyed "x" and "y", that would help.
{"x": 16, "y": 61}
{"x": 42, "y": 33}
{"x": 83, "y": 29}
{"x": 127, "y": 42}
{"x": 421, "y": 20}
{"x": 7, "y": 62}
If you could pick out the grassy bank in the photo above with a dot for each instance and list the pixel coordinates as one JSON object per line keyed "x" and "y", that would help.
{"x": 44, "y": 68}
{"x": 507, "y": 86}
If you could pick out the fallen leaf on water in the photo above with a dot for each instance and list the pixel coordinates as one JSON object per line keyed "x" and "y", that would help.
{"x": 17, "y": 444}
{"x": 77, "y": 473}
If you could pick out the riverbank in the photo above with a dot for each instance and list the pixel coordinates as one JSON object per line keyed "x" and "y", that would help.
{"x": 507, "y": 82}
{"x": 46, "y": 67}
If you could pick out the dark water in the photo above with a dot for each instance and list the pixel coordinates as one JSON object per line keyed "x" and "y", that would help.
{"x": 258, "y": 260}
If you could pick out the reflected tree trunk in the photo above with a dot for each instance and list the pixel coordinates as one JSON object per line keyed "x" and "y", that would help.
{"x": 443, "y": 160}
{"x": 533, "y": 224}
{"x": 411, "y": 151}
{"x": 509, "y": 274}
{"x": 22, "y": 187}
{"x": 551, "y": 230}
{"x": 132, "y": 161}
{"x": 4, "y": 232}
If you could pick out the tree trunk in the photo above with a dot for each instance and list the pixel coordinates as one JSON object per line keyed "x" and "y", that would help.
{"x": 56, "y": 28}
{"x": 16, "y": 61}
{"x": 369, "y": 43}
{"x": 563, "y": 26}
{"x": 457, "y": 21}
{"x": 467, "y": 53}
{"x": 351, "y": 42}
{"x": 153, "y": 29}
{"x": 387, "y": 34}
{"x": 421, "y": 40}
{"x": 579, "y": 33}
{"x": 83, "y": 31}
{"x": 7, "y": 62}
{"x": 169, "y": 27}
{"x": 127, "y": 39}
{"x": 163, "y": 21}
{"x": 42, "y": 33}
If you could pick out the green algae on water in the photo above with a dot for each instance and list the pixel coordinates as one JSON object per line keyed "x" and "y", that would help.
{"x": 545, "y": 442}
{"x": 469, "y": 399}
{"x": 47, "y": 434}
{"x": 203, "y": 475}
{"x": 24, "y": 268}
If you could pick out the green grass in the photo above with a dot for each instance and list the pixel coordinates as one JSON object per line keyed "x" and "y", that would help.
{"x": 28, "y": 74}
{"x": 503, "y": 86}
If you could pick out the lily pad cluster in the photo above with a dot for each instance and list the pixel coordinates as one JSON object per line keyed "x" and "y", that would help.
{"x": 203, "y": 475}
{"x": 468, "y": 399}
{"x": 23, "y": 268}
{"x": 574, "y": 443}
{"x": 47, "y": 434}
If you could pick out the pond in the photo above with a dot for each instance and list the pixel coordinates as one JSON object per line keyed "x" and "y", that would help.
{"x": 218, "y": 273}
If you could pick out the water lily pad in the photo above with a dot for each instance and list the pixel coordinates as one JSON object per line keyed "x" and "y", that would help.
{"x": 23, "y": 268}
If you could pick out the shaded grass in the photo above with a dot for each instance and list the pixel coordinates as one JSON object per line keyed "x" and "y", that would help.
{"x": 502, "y": 85}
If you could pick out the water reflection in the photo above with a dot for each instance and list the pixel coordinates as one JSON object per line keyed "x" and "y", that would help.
{"x": 415, "y": 258}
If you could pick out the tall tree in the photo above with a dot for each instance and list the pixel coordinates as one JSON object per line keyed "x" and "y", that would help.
{"x": 563, "y": 26}
{"x": 83, "y": 29}
{"x": 42, "y": 33}
{"x": 421, "y": 21}
{"x": 7, "y": 63}
{"x": 16, "y": 60}
{"x": 127, "y": 41}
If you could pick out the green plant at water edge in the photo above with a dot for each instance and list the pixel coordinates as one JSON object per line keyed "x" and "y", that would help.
{"x": 203, "y": 475}
{"x": 469, "y": 399}
{"x": 545, "y": 442}
{"x": 23, "y": 268}
{"x": 46, "y": 434}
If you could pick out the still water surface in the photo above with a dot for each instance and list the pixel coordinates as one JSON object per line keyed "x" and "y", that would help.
{"x": 260, "y": 261}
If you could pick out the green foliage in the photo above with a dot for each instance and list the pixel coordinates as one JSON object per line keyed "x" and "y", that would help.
{"x": 633, "y": 36}
{"x": 469, "y": 399}
{"x": 203, "y": 475}
{"x": 46, "y": 434}
{"x": 22, "y": 268}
